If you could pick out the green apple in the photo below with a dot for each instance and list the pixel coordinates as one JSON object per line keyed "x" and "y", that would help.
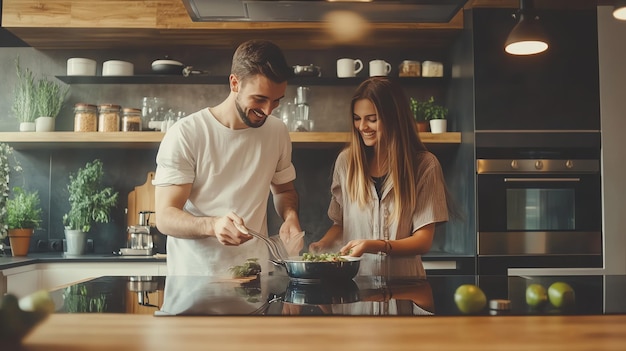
{"x": 536, "y": 295}
{"x": 39, "y": 301}
{"x": 469, "y": 298}
{"x": 561, "y": 294}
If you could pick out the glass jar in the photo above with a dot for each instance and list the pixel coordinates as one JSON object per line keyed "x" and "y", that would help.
{"x": 153, "y": 109}
{"x": 108, "y": 118}
{"x": 85, "y": 118}
{"x": 409, "y": 68}
{"x": 131, "y": 120}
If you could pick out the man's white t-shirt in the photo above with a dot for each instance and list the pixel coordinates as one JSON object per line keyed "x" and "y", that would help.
{"x": 231, "y": 170}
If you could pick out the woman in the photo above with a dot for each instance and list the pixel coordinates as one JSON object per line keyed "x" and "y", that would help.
{"x": 388, "y": 191}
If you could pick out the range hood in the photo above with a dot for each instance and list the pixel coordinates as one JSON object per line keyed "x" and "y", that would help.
{"x": 387, "y": 11}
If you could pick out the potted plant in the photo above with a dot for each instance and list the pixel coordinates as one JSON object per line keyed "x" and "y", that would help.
{"x": 90, "y": 202}
{"x": 23, "y": 107}
{"x": 49, "y": 97}
{"x": 23, "y": 216}
{"x": 417, "y": 107}
{"x": 436, "y": 115}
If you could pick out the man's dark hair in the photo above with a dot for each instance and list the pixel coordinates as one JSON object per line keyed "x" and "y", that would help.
{"x": 260, "y": 57}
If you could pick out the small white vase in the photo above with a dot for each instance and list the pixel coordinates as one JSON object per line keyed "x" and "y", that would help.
{"x": 27, "y": 126}
{"x": 438, "y": 126}
{"x": 44, "y": 124}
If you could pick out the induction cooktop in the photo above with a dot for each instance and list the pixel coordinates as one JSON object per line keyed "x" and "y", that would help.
{"x": 267, "y": 295}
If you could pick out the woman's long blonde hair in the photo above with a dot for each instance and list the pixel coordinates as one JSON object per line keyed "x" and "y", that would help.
{"x": 399, "y": 139}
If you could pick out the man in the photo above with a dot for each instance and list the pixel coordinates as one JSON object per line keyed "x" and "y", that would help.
{"x": 216, "y": 167}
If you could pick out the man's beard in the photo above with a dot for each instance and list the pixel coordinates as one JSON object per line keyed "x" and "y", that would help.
{"x": 244, "y": 117}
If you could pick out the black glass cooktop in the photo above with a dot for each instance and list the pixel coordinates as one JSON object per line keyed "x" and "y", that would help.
{"x": 364, "y": 295}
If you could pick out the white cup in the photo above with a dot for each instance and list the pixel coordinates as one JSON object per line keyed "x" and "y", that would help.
{"x": 379, "y": 68}
{"x": 347, "y": 67}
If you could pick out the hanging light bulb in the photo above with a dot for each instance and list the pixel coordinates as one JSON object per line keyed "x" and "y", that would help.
{"x": 619, "y": 10}
{"x": 527, "y": 37}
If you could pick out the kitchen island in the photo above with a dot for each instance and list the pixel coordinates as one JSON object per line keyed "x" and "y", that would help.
{"x": 369, "y": 313}
{"x": 119, "y": 332}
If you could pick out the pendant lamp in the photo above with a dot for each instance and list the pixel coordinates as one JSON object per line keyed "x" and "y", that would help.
{"x": 527, "y": 37}
{"x": 619, "y": 10}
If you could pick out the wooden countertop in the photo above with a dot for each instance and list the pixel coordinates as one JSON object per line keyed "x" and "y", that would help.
{"x": 144, "y": 332}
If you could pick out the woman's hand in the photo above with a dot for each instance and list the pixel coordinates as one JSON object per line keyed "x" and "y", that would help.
{"x": 356, "y": 248}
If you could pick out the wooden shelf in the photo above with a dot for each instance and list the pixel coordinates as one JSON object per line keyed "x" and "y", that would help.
{"x": 206, "y": 79}
{"x": 137, "y": 140}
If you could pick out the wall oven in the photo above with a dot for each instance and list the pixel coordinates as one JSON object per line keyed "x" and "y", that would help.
{"x": 538, "y": 207}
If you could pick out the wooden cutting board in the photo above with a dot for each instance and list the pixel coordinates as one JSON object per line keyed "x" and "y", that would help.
{"x": 141, "y": 199}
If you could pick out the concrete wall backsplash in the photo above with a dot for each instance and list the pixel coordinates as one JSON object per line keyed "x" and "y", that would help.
{"x": 47, "y": 170}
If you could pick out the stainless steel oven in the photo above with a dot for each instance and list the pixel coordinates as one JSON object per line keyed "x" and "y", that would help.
{"x": 538, "y": 208}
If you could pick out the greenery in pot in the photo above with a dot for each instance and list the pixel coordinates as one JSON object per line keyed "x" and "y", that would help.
{"x": 417, "y": 107}
{"x": 23, "y": 210}
{"x": 49, "y": 97}
{"x": 433, "y": 110}
{"x": 5, "y": 172}
{"x": 23, "y": 107}
{"x": 90, "y": 201}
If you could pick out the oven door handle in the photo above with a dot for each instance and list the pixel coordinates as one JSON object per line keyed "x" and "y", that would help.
{"x": 541, "y": 180}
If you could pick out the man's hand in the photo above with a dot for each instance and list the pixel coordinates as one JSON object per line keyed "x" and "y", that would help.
{"x": 226, "y": 232}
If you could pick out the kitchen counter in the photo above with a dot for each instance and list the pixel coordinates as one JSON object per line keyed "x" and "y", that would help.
{"x": 7, "y": 262}
{"x": 108, "y": 332}
{"x": 222, "y": 319}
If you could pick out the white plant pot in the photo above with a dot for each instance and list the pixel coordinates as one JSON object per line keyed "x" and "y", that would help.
{"x": 438, "y": 126}
{"x": 27, "y": 126}
{"x": 75, "y": 241}
{"x": 44, "y": 124}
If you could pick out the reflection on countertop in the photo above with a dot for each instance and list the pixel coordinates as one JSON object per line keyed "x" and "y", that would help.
{"x": 365, "y": 295}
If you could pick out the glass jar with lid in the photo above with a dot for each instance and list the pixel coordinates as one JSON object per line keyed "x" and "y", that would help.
{"x": 131, "y": 120}
{"x": 85, "y": 117}
{"x": 108, "y": 118}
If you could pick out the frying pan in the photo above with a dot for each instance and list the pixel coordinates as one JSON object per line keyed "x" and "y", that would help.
{"x": 167, "y": 67}
{"x": 308, "y": 271}
{"x": 314, "y": 272}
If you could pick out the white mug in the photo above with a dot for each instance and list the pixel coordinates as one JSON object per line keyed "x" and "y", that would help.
{"x": 379, "y": 68}
{"x": 347, "y": 67}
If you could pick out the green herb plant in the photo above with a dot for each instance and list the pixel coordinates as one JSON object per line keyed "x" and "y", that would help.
{"x": 417, "y": 107}
{"x": 427, "y": 110}
{"x": 248, "y": 268}
{"x": 433, "y": 110}
{"x": 24, "y": 209}
{"x": 49, "y": 97}
{"x": 25, "y": 94}
{"x": 90, "y": 201}
{"x": 5, "y": 171}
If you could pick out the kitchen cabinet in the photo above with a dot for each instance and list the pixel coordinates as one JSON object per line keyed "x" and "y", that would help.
{"x": 20, "y": 281}
{"x": 95, "y": 24}
{"x": 27, "y": 279}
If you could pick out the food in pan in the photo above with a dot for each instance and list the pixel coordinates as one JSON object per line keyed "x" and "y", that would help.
{"x": 324, "y": 257}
